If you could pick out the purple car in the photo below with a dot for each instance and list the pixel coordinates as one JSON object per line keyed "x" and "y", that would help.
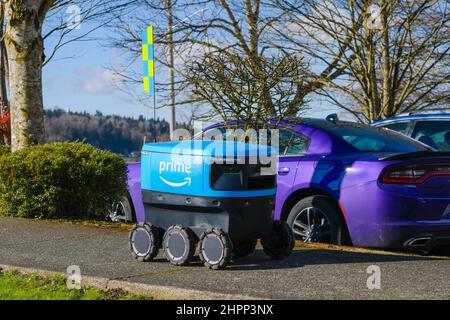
{"x": 348, "y": 183}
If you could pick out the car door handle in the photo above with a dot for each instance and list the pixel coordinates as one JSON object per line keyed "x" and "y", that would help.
{"x": 283, "y": 171}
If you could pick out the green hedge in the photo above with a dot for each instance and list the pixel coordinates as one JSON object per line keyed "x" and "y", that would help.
{"x": 60, "y": 180}
{"x": 4, "y": 149}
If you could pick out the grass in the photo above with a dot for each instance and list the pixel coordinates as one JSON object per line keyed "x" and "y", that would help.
{"x": 18, "y": 286}
{"x": 94, "y": 223}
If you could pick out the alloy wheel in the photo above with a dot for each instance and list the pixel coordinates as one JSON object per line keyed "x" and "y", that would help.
{"x": 117, "y": 212}
{"x": 312, "y": 225}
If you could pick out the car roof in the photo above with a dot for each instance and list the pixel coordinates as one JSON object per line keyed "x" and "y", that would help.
{"x": 414, "y": 117}
{"x": 292, "y": 121}
{"x": 206, "y": 148}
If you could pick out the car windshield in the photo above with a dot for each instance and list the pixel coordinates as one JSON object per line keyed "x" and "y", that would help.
{"x": 370, "y": 139}
{"x": 433, "y": 133}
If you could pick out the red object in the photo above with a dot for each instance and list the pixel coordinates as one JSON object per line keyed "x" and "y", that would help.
{"x": 343, "y": 210}
{"x": 5, "y": 119}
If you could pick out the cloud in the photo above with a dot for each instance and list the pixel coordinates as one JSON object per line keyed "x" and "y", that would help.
{"x": 89, "y": 80}
{"x": 96, "y": 80}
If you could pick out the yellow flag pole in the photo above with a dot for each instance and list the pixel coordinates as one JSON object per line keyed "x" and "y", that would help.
{"x": 148, "y": 58}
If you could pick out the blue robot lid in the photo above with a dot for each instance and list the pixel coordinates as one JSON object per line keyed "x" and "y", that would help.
{"x": 212, "y": 148}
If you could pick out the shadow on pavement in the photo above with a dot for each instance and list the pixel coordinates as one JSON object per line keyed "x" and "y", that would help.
{"x": 300, "y": 258}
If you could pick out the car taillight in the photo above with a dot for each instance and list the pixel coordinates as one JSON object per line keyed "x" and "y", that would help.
{"x": 414, "y": 175}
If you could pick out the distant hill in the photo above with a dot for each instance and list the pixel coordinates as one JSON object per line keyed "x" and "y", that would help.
{"x": 114, "y": 133}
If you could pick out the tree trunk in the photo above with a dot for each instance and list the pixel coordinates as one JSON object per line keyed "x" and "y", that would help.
{"x": 3, "y": 74}
{"x": 3, "y": 59}
{"x": 24, "y": 46}
{"x": 5, "y": 132}
{"x": 386, "y": 62}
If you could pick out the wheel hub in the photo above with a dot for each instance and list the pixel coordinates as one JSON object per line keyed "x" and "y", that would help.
{"x": 312, "y": 225}
{"x": 117, "y": 212}
{"x": 141, "y": 242}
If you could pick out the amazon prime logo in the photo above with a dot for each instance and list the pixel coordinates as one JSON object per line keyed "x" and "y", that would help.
{"x": 176, "y": 167}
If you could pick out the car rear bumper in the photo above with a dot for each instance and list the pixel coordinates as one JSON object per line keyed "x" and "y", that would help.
{"x": 405, "y": 235}
{"x": 416, "y": 235}
{"x": 402, "y": 218}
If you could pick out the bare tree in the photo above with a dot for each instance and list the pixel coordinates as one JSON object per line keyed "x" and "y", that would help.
{"x": 24, "y": 46}
{"x": 169, "y": 19}
{"x": 393, "y": 55}
{"x": 22, "y": 53}
{"x": 3, "y": 57}
{"x": 70, "y": 21}
{"x": 229, "y": 84}
{"x": 171, "y": 66}
{"x": 372, "y": 58}
{"x": 210, "y": 38}
{"x": 5, "y": 123}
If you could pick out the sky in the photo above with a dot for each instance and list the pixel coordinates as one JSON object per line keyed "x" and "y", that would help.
{"x": 78, "y": 79}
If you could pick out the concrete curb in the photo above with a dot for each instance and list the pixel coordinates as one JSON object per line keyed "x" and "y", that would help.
{"x": 159, "y": 292}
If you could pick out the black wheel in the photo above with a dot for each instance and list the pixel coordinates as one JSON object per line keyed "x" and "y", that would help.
{"x": 179, "y": 245}
{"x": 243, "y": 249}
{"x": 122, "y": 211}
{"x": 215, "y": 249}
{"x": 145, "y": 241}
{"x": 280, "y": 243}
{"x": 441, "y": 251}
{"x": 315, "y": 219}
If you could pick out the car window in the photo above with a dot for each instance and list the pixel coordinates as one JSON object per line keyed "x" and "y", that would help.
{"x": 401, "y": 127}
{"x": 433, "y": 133}
{"x": 364, "y": 143}
{"x": 371, "y": 139}
{"x": 224, "y": 134}
{"x": 290, "y": 143}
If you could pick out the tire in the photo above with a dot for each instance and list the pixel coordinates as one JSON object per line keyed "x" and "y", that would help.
{"x": 144, "y": 242}
{"x": 215, "y": 249}
{"x": 441, "y": 251}
{"x": 122, "y": 211}
{"x": 332, "y": 232}
{"x": 280, "y": 243}
{"x": 243, "y": 249}
{"x": 179, "y": 245}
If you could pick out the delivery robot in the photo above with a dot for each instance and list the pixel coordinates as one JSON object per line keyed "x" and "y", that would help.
{"x": 208, "y": 198}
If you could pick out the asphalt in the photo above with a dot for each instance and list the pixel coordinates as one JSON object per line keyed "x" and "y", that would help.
{"x": 307, "y": 274}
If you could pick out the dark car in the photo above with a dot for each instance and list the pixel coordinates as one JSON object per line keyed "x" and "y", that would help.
{"x": 430, "y": 129}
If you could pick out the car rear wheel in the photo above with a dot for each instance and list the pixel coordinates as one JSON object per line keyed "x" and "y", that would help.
{"x": 441, "y": 251}
{"x": 122, "y": 211}
{"x": 315, "y": 219}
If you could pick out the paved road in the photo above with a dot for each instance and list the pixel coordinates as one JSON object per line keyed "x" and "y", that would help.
{"x": 307, "y": 274}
